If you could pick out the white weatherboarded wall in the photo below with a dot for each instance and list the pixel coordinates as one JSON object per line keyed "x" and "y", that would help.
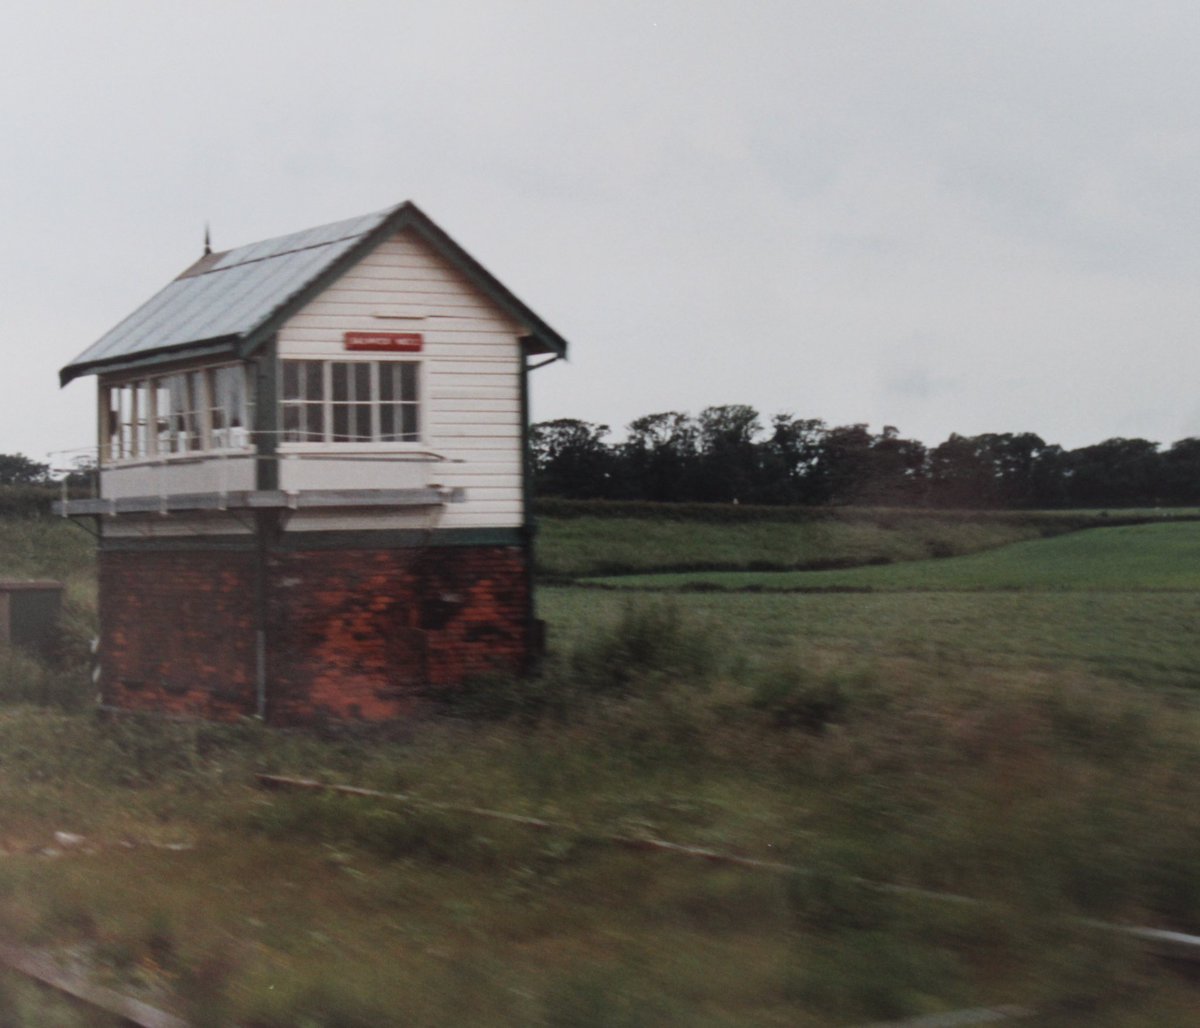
{"x": 470, "y": 390}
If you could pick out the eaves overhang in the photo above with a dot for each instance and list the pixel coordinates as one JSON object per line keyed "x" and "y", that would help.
{"x": 225, "y": 346}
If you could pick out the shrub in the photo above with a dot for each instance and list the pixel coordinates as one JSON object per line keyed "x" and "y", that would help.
{"x": 1099, "y": 721}
{"x": 27, "y": 500}
{"x": 500, "y": 696}
{"x": 648, "y": 644}
{"x": 793, "y": 695}
{"x": 648, "y": 647}
{"x": 26, "y": 679}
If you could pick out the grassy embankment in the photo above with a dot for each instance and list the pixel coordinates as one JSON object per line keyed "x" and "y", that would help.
{"x": 1140, "y": 558}
{"x": 582, "y": 540}
{"x": 1033, "y": 747}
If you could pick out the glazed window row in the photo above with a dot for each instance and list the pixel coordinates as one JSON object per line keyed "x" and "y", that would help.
{"x": 211, "y": 408}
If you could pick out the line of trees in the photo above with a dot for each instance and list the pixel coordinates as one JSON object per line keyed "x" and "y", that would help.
{"x": 726, "y": 454}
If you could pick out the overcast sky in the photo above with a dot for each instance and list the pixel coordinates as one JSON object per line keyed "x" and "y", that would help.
{"x": 945, "y": 216}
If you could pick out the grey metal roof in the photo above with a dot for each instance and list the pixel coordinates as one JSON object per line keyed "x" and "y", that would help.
{"x": 227, "y": 301}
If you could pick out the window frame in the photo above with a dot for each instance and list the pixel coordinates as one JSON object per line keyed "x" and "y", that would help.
{"x": 332, "y": 400}
{"x": 150, "y": 418}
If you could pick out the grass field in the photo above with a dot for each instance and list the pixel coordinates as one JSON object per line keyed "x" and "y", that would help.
{"x": 652, "y": 539}
{"x": 1146, "y": 639}
{"x": 1027, "y": 743}
{"x": 1122, "y": 559}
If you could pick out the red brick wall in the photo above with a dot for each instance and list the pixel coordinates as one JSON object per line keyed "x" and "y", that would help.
{"x": 351, "y": 634}
{"x": 177, "y": 632}
{"x": 361, "y": 634}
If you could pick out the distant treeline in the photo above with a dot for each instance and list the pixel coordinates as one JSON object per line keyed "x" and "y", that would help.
{"x": 726, "y": 454}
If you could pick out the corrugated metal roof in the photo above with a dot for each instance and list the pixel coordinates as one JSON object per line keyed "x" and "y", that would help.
{"x": 229, "y": 300}
{"x": 228, "y": 295}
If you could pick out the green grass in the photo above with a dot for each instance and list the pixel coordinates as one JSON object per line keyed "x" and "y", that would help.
{"x": 1147, "y": 639}
{"x": 574, "y": 547}
{"x": 293, "y": 909}
{"x": 47, "y": 547}
{"x": 1033, "y": 746}
{"x": 1126, "y": 558}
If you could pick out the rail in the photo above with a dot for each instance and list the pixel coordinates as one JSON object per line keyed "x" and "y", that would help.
{"x": 46, "y": 972}
{"x": 1164, "y": 943}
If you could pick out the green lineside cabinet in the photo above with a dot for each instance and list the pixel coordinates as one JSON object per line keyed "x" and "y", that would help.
{"x": 29, "y": 612}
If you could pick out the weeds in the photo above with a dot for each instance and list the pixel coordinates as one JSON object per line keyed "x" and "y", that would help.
{"x": 604, "y": 997}
{"x": 991, "y": 746}
{"x": 648, "y": 645}
{"x": 647, "y": 650}
{"x": 792, "y": 693}
{"x": 388, "y": 832}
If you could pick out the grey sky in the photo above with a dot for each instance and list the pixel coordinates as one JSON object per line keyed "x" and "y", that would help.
{"x": 944, "y": 216}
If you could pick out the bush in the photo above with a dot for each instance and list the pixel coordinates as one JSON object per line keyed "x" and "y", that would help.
{"x": 26, "y": 679}
{"x": 26, "y": 501}
{"x": 501, "y": 696}
{"x": 792, "y": 695}
{"x": 648, "y": 645}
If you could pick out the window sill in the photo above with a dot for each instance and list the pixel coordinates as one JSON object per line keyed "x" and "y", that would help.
{"x": 350, "y": 449}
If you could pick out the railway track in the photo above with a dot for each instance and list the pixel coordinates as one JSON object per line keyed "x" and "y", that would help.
{"x": 1180, "y": 948}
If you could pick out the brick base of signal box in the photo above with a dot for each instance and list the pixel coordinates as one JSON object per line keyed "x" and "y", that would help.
{"x": 351, "y": 635}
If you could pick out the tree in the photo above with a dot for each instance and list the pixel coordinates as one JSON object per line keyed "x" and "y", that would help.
{"x": 1117, "y": 472}
{"x": 1180, "y": 472}
{"x": 962, "y": 473}
{"x": 843, "y": 463}
{"x": 1013, "y": 459}
{"x": 658, "y": 460}
{"x": 571, "y": 459}
{"x": 17, "y": 469}
{"x": 896, "y": 470}
{"x": 728, "y": 455}
{"x": 1051, "y": 477}
{"x": 789, "y": 460}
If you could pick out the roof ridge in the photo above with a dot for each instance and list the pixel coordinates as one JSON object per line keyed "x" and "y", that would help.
{"x": 206, "y": 267}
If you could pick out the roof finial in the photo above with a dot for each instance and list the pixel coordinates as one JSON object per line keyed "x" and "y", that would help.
{"x": 207, "y": 241}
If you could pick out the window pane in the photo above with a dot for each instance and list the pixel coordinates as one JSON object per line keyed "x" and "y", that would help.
{"x": 162, "y": 415}
{"x": 341, "y": 382}
{"x": 341, "y": 423}
{"x": 362, "y": 381}
{"x": 314, "y": 375}
{"x": 408, "y": 381}
{"x": 362, "y": 422}
{"x": 195, "y": 417}
{"x": 316, "y": 423}
{"x": 408, "y": 419}
{"x": 218, "y": 437}
{"x": 141, "y": 435}
{"x": 291, "y": 380}
{"x": 112, "y": 424}
{"x": 387, "y": 377}
{"x": 387, "y": 422}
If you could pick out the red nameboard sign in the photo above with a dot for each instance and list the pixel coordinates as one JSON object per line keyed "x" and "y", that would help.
{"x": 388, "y": 342}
